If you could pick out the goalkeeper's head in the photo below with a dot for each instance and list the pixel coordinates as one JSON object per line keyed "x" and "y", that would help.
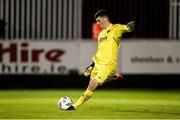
{"x": 102, "y": 18}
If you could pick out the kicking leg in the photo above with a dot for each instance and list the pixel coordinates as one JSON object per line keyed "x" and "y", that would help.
{"x": 88, "y": 93}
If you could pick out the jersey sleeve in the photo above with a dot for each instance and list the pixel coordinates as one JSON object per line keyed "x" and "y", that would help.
{"x": 119, "y": 30}
{"x": 124, "y": 28}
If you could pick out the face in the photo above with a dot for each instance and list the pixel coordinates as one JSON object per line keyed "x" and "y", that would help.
{"x": 102, "y": 21}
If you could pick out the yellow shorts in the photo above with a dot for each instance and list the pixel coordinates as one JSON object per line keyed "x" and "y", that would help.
{"x": 103, "y": 72}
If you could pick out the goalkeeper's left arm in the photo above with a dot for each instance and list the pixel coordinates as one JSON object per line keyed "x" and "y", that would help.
{"x": 130, "y": 26}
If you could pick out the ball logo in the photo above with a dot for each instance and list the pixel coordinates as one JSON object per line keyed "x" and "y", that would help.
{"x": 20, "y": 53}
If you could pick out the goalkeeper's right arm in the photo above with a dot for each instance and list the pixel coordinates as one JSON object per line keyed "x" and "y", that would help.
{"x": 89, "y": 69}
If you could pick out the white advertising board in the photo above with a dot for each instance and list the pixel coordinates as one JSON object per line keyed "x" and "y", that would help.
{"x": 61, "y": 57}
{"x": 150, "y": 57}
{"x": 38, "y": 57}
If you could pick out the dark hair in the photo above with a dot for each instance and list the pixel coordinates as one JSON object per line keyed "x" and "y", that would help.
{"x": 101, "y": 13}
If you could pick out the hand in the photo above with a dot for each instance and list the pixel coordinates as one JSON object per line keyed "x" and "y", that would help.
{"x": 89, "y": 70}
{"x": 130, "y": 25}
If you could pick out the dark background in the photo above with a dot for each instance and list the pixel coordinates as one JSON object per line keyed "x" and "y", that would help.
{"x": 76, "y": 81}
{"x": 152, "y": 17}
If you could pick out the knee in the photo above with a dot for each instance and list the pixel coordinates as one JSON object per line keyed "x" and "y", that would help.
{"x": 93, "y": 85}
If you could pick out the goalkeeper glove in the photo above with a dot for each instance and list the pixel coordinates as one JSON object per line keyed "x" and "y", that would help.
{"x": 130, "y": 25}
{"x": 89, "y": 69}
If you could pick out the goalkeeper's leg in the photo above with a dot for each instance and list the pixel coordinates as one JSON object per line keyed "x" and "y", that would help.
{"x": 88, "y": 93}
{"x": 91, "y": 87}
{"x": 97, "y": 79}
{"x": 114, "y": 76}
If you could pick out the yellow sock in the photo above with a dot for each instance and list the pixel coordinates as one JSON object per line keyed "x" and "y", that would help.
{"x": 87, "y": 94}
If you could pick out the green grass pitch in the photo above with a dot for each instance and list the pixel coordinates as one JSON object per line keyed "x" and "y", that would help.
{"x": 105, "y": 104}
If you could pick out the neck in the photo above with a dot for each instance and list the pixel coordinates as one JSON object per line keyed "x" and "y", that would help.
{"x": 106, "y": 26}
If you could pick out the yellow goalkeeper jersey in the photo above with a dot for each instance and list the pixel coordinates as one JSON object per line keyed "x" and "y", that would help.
{"x": 109, "y": 43}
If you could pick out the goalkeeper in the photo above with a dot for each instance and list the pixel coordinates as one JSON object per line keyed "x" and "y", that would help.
{"x": 103, "y": 67}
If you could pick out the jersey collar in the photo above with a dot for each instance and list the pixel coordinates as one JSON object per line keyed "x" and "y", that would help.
{"x": 109, "y": 27}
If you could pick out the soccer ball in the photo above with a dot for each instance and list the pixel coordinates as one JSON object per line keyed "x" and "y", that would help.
{"x": 64, "y": 103}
